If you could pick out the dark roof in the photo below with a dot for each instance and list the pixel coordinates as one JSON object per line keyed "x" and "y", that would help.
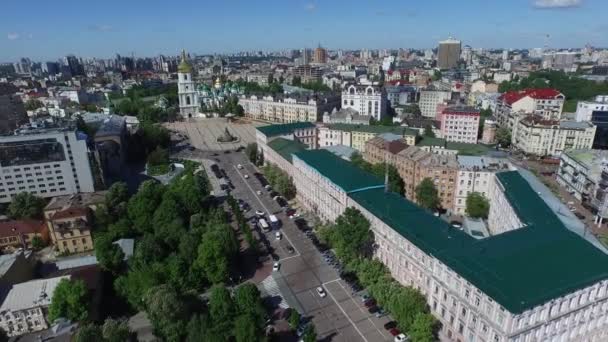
{"x": 430, "y": 141}
{"x": 341, "y": 172}
{"x": 71, "y": 212}
{"x": 285, "y": 147}
{"x": 368, "y": 128}
{"x": 282, "y": 129}
{"x": 519, "y": 269}
{"x": 13, "y": 228}
{"x": 114, "y": 125}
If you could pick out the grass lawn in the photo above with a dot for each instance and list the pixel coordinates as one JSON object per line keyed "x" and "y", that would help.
{"x": 157, "y": 170}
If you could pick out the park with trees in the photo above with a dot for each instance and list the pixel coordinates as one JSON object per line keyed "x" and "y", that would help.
{"x": 352, "y": 240}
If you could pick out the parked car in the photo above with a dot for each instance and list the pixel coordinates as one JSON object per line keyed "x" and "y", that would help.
{"x": 259, "y": 213}
{"x": 394, "y": 331}
{"x": 276, "y": 266}
{"x": 239, "y": 166}
{"x": 372, "y": 309}
{"x": 267, "y": 187}
{"x": 579, "y": 215}
{"x": 278, "y": 235}
{"x": 321, "y": 292}
{"x": 380, "y": 313}
{"x": 401, "y": 338}
{"x": 369, "y": 303}
{"x": 390, "y": 325}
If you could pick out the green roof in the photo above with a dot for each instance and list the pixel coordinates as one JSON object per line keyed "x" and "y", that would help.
{"x": 285, "y": 147}
{"x": 469, "y": 149}
{"x": 429, "y": 141}
{"x": 368, "y": 128}
{"x": 339, "y": 171}
{"x": 282, "y": 129}
{"x": 519, "y": 269}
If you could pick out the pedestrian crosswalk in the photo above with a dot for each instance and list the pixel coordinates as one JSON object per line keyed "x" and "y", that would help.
{"x": 270, "y": 288}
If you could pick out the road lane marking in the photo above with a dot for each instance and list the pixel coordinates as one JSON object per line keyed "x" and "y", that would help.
{"x": 369, "y": 318}
{"x": 344, "y": 312}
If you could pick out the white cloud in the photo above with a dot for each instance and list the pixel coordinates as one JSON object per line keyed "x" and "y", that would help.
{"x": 557, "y": 3}
{"x": 12, "y": 36}
{"x": 311, "y": 7}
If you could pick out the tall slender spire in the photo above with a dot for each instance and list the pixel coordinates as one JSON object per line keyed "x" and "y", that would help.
{"x": 184, "y": 66}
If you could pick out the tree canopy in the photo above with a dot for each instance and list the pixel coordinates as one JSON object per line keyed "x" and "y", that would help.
{"x": 478, "y": 205}
{"x": 70, "y": 300}
{"x": 25, "y": 205}
{"x": 280, "y": 180}
{"x": 427, "y": 195}
{"x": 395, "y": 182}
{"x": 503, "y": 137}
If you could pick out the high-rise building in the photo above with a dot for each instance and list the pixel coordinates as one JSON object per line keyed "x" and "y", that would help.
{"x": 76, "y": 68}
{"x": 305, "y": 56}
{"x": 320, "y": 55}
{"x": 46, "y": 161}
{"x": 448, "y": 54}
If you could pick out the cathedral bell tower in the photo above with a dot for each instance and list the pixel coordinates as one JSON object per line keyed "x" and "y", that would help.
{"x": 186, "y": 89}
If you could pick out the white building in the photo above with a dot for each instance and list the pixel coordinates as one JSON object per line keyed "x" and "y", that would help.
{"x": 547, "y": 103}
{"x": 25, "y": 307}
{"x": 585, "y": 109}
{"x": 286, "y": 109}
{"x": 430, "y": 98}
{"x": 460, "y": 124}
{"x": 186, "y": 89}
{"x": 501, "y": 288}
{"x": 535, "y": 135}
{"x": 476, "y": 174}
{"x": 48, "y": 162}
{"x": 368, "y": 100}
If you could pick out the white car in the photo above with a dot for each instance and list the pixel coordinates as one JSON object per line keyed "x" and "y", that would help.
{"x": 321, "y": 292}
{"x": 401, "y": 338}
{"x": 259, "y": 213}
{"x": 240, "y": 167}
{"x": 258, "y": 192}
{"x": 276, "y": 266}
{"x": 246, "y": 176}
{"x": 278, "y": 235}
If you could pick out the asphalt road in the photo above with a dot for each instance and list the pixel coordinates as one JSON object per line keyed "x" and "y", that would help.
{"x": 340, "y": 316}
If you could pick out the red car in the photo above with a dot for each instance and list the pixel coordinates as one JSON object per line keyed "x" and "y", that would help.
{"x": 394, "y": 331}
{"x": 369, "y": 303}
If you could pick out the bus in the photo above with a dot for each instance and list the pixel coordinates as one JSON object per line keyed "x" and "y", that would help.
{"x": 274, "y": 221}
{"x": 263, "y": 225}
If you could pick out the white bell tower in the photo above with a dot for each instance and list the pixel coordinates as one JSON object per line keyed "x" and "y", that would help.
{"x": 186, "y": 89}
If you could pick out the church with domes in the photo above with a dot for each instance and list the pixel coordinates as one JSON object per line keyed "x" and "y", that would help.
{"x": 193, "y": 97}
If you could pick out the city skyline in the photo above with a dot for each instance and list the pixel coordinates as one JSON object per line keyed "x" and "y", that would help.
{"x": 207, "y": 28}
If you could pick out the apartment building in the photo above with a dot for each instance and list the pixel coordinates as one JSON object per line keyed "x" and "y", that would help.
{"x": 584, "y": 174}
{"x": 25, "y": 307}
{"x": 548, "y": 103}
{"x": 519, "y": 300}
{"x": 356, "y": 136}
{"x": 302, "y": 132}
{"x": 414, "y": 165}
{"x": 430, "y": 98}
{"x": 476, "y": 174}
{"x": 535, "y": 135}
{"x": 460, "y": 124}
{"x": 286, "y": 109}
{"x": 48, "y": 162}
{"x": 16, "y": 234}
{"x": 368, "y": 100}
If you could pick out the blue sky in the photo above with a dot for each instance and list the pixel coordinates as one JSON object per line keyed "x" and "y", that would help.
{"x": 43, "y": 29}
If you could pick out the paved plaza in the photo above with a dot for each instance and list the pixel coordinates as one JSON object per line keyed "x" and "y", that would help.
{"x": 203, "y": 133}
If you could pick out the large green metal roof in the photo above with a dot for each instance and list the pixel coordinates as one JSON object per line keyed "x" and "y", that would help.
{"x": 285, "y": 147}
{"x": 373, "y": 129}
{"x": 281, "y": 129}
{"x": 339, "y": 171}
{"x": 519, "y": 269}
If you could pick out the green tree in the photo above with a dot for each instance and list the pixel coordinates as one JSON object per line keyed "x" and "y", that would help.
{"x": 221, "y": 308}
{"x": 135, "y": 284}
{"x": 38, "y": 243}
{"x": 109, "y": 255}
{"x": 143, "y": 204}
{"x": 503, "y": 136}
{"x": 89, "y": 333}
{"x": 351, "y": 236}
{"x": 478, "y": 205}
{"x": 296, "y": 81}
{"x": 427, "y": 195}
{"x": 246, "y": 329}
{"x": 294, "y": 319}
{"x": 200, "y": 329}
{"x": 252, "y": 152}
{"x": 424, "y": 328}
{"x": 25, "y": 205}
{"x": 428, "y": 131}
{"x": 116, "y": 198}
{"x": 405, "y": 305}
{"x": 167, "y": 312}
{"x": 310, "y": 334}
{"x": 70, "y": 300}
{"x": 159, "y": 156}
{"x": 33, "y": 104}
{"x": 116, "y": 331}
{"x": 215, "y": 253}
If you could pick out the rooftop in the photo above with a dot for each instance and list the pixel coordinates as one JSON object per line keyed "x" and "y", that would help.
{"x": 341, "y": 172}
{"x": 483, "y": 163}
{"x": 31, "y": 294}
{"x": 17, "y": 227}
{"x": 342, "y": 151}
{"x": 497, "y": 264}
{"x": 511, "y": 97}
{"x": 373, "y": 129}
{"x": 76, "y": 200}
{"x": 114, "y": 125}
{"x": 285, "y": 147}
{"x": 283, "y": 129}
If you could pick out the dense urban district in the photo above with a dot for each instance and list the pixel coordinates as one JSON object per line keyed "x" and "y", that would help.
{"x": 453, "y": 194}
